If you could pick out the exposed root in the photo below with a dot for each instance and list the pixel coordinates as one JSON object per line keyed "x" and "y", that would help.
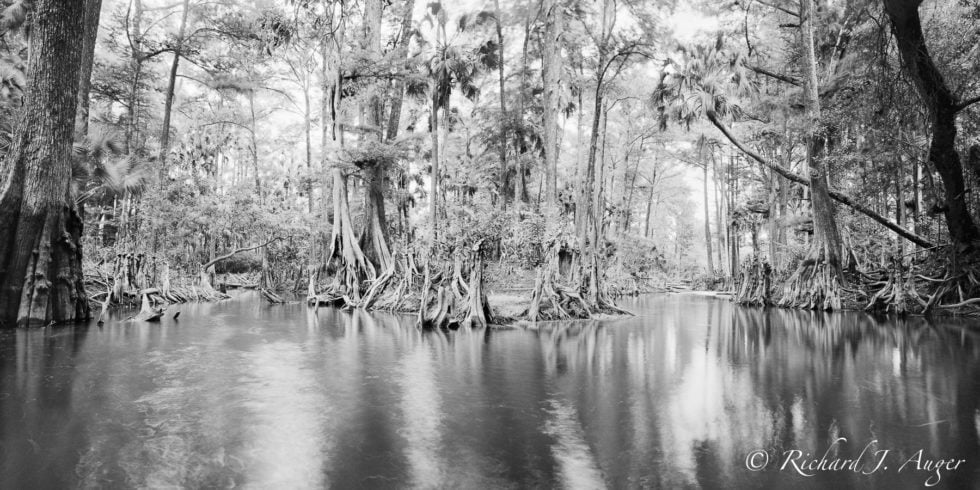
{"x": 814, "y": 285}
{"x": 898, "y": 294}
{"x": 754, "y": 285}
{"x": 551, "y": 301}
{"x": 448, "y": 299}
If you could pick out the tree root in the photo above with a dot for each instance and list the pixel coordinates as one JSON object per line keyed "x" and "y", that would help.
{"x": 458, "y": 302}
{"x": 755, "y": 283}
{"x": 814, "y": 285}
{"x": 898, "y": 294}
{"x": 552, "y": 301}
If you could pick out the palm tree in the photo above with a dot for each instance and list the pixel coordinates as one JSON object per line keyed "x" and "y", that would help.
{"x": 102, "y": 173}
{"x": 702, "y": 81}
{"x": 451, "y": 64}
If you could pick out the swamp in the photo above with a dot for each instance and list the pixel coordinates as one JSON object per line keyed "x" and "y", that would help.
{"x": 489, "y": 244}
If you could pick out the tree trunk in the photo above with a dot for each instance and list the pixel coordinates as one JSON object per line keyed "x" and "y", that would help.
{"x": 943, "y": 107}
{"x": 93, "y": 9}
{"x": 308, "y": 136}
{"x": 825, "y": 234}
{"x": 707, "y": 222}
{"x": 374, "y": 235}
{"x": 646, "y": 226}
{"x": 587, "y": 232}
{"x": 168, "y": 103}
{"x": 255, "y": 145}
{"x": 502, "y": 147}
{"x": 719, "y": 222}
{"x": 394, "y": 119}
{"x": 836, "y": 195}
{"x": 551, "y": 79}
{"x": 520, "y": 185}
{"x": 136, "y": 48}
{"x": 40, "y": 253}
{"x": 326, "y": 129}
{"x": 434, "y": 177}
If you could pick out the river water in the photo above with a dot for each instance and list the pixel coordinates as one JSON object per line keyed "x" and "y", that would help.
{"x": 683, "y": 395}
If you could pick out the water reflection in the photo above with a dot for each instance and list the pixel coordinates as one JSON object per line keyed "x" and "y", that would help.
{"x": 242, "y": 394}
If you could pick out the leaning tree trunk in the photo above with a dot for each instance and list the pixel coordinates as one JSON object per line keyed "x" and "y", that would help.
{"x": 943, "y": 107}
{"x": 40, "y": 251}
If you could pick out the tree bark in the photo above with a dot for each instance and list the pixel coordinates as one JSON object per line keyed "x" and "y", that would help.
{"x": 502, "y": 147}
{"x": 394, "y": 119}
{"x": 93, "y": 9}
{"x": 40, "y": 253}
{"x": 255, "y": 144}
{"x": 434, "y": 177}
{"x": 308, "y": 137}
{"x": 374, "y": 236}
{"x": 168, "y": 103}
{"x": 825, "y": 233}
{"x": 943, "y": 107}
{"x": 707, "y": 221}
{"x": 136, "y": 48}
{"x": 551, "y": 79}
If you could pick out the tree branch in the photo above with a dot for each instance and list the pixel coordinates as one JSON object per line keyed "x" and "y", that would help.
{"x": 215, "y": 260}
{"x": 966, "y": 103}
{"x": 782, "y": 78}
{"x": 836, "y": 195}
{"x": 779, "y": 8}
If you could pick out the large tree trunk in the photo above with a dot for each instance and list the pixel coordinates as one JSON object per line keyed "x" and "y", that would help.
{"x": 93, "y": 8}
{"x": 825, "y": 234}
{"x": 943, "y": 107}
{"x": 374, "y": 235}
{"x": 353, "y": 266}
{"x": 551, "y": 78}
{"x": 817, "y": 281}
{"x": 40, "y": 252}
{"x": 168, "y": 103}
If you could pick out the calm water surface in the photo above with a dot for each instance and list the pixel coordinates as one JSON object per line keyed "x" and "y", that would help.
{"x": 241, "y": 394}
